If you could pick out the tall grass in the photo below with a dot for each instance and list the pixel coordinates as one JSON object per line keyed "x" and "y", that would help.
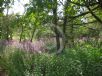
{"x": 79, "y": 61}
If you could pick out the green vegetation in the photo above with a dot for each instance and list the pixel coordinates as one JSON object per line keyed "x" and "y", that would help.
{"x": 78, "y": 61}
{"x": 51, "y": 38}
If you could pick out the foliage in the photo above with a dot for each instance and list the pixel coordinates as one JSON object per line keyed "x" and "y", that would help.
{"x": 79, "y": 61}
{"x": 69, "y": 28}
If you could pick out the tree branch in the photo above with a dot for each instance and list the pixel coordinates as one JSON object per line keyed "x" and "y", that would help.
{"x": 96, "y": 17}
{"x": 92, "y": 4}
{"x": 82, "y": 14}
{"x": 86, "y": 23}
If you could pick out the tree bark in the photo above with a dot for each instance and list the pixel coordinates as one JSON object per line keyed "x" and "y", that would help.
{"x": 55, "y": 23}
{"x": 65, "y": 22}
{"x": 34, "y": 29}
{"x": 21, "y": 33}
{"x": 7, "y": 25}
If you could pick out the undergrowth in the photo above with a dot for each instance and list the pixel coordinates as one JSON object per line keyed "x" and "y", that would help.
{"x": 79, "y": 61}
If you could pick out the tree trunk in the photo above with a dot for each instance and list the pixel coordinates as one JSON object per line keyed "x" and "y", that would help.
{"x": 72, "y": 36}
{"x": 7, "y": 25}
{"x": 55, "y": 23}
{"x": 21, "y": 34}
{"x": 65, "y": 22}
{"x": 34, "y": 29}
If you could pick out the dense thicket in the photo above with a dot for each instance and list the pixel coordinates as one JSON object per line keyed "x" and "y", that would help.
{"x": 54, "y": 27}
